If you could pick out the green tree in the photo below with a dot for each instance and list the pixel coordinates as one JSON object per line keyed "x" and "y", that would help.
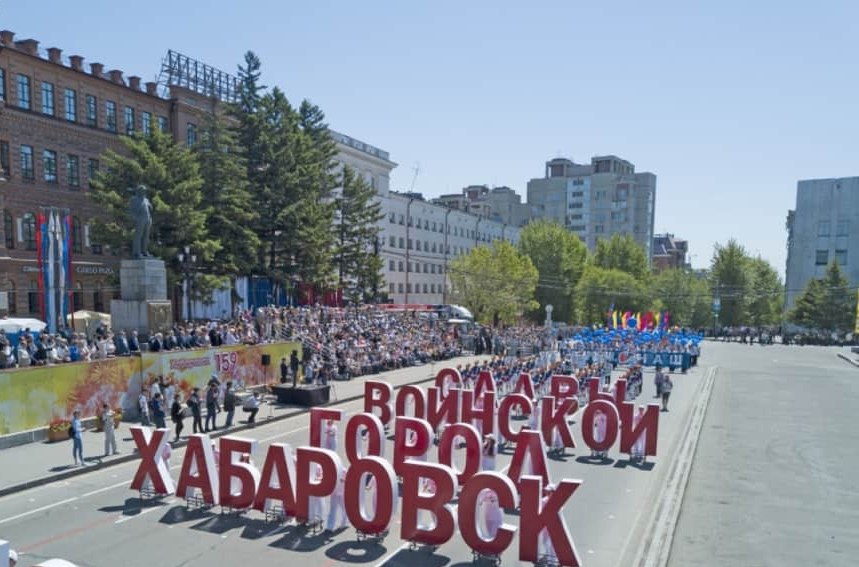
{"x": 828, "y": 303}
{"x": 496, "y": 283}
{"x": 599, "y": 288}
{"x": 226, "y": 192}
{"x": 358, "y": 260}
{"x": 766, "y": 294}
{"x": 559, "y": 256}
{"x": 172, "y": 176}
{"x": 730, "y": 280}
{"x": 623, "y": 253}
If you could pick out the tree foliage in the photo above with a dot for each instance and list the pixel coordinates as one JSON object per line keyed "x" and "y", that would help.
{"x": 622, "y": 253}
{"x": 828, "y": 303}
{"x": 731, "y": 282}
{"x": 599, "y": 288}
{"x": 684, "y": 295}
{"x": 559, "y": 256}
{"x": 497, "y": 283}
{"x": 766, "y": 294}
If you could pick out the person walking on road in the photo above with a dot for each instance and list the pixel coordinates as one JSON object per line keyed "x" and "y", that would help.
{"x": 212, "y": 406}
{"x": 658, "y": 380}
{"x": 159, "y": 412}
{"x": 143, "y": 406}
{"x": 107, "y": 416}
{"x": 77, "y": 442}
{"x": 176, "y": 415}
{"x": 229, "y": 404}
{"x": 667, "y": 386}
{"x": 196, "y": 411}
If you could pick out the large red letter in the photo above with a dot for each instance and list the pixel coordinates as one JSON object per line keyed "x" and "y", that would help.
{"x": 415, "y": 500}
{"x": 370, "y": 425}
{"x": 648, "y": 425}
{"x": 483, "y": 412}
{"x": 412, "y": 439}
{"x": 317, "y": 416}
{"x": 152, "y": 468}
{"x": 524, "y": 385}
{"x": 530, "y": 446}
{"x": 608, "y": 409}
{"x": 442, "y": 409}
{"x": 378, "y": 395}
{"x": 384, "y": 483}
{"x": 484, "y": 384}
{"x": 198, "y": 469}
{"x": 307, "y": 484}
{"x": 473, "y": 451}
{"x": 536, "y": 516}
{"x": 619, "y": 392}
{"x": 238, "y": 481}
{"x": 507, "y": 498}
{"x": 277, "y": 484}
{"x": 525, "y": 405}
{"x": 417, "y": 397}
{"x": 563, "y": 387}
{"x": 555, "y": 418}
{"x": 445, "y": 377}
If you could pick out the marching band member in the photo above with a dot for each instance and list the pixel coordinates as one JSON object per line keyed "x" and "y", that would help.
{"x": 331, "y": 435}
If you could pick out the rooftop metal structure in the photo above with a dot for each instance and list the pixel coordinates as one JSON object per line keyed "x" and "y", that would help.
{"x": 183, "y": 71}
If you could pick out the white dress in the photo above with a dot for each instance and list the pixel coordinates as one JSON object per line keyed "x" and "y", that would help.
{"x": 493, "y": 517}
{"x": 638, "y": 446}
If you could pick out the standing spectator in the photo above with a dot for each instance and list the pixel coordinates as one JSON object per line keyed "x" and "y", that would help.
{"x": 120, "y": 341}
{"x": 134, "y": 342}
{"x": 143, "y": 406}
{"x": 229, "y": 404}
{"x": 107, "y": 416}
{"x": 159, "y": 411}
{"x": 212, "y": 406}
{"x": 293, "y": 366}
{"x": 284, "y": 370}
{"x": 658, "y": 380}
{"x": 667, "y": 386}
{"x": 176, "y": 415}
{"x": 77, "y": 442}
{"x": 194, "y": 403}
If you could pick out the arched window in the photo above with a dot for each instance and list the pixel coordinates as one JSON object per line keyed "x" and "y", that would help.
{"x": 28, "y": 224}
{"x": 77, "y": 236}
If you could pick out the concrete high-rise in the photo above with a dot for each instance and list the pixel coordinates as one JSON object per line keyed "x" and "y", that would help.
{"x": 823, "y": 227}
{"x": 598, "y": 200}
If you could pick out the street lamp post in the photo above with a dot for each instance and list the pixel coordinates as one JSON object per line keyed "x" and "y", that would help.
{"x": 187, "y": 263}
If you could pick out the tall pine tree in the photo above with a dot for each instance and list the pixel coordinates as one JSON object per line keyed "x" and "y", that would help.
{"x": 358, "y": 260}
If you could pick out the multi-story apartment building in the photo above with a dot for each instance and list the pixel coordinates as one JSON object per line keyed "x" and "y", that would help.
{"x": 500, "y": 204}
{"x": 823, "y": 227}
{"x": 598, "y": 200}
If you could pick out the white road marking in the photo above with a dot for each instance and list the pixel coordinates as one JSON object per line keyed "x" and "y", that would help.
{"x": 153, "y": 509}
{"x": 37, "y": 510}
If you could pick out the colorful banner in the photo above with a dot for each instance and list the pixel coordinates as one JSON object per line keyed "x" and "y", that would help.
{"x": 194, "y": 368}
{"x": 30, "y": 398}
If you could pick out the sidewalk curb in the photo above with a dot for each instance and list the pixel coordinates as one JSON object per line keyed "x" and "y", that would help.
{"x": 41, "y": 481}
{"x": 660, "y": 534}
{"x": 843, "y": 356}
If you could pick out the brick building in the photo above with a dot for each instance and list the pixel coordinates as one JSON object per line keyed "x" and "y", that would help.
{"x": 57, "y": 117}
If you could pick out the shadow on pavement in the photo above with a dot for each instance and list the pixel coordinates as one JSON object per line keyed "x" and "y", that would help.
{"x": 356, "y": 551}
{"x": 220, "y": 524}
{"x": 601, "y": 461}
{"x": 647, "y": 466}
{"x": 298, "y": 538}
{"x": 133, "y": 506}
{"x": 422, "y": 557}
{"x": 179, "y": 514}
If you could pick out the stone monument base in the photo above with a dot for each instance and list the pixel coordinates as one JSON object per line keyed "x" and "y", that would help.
{"x": 143, "y": 279}
{"x": 143, "y": 316}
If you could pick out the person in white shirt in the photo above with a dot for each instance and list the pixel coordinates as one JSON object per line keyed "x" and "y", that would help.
{"x": 337, "y": 505}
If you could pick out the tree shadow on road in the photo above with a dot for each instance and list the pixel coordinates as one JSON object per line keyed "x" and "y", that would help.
{"x": 356, "y": 551}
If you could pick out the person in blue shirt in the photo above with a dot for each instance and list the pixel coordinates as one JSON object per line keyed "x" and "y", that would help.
{"x": 77, "y": 442}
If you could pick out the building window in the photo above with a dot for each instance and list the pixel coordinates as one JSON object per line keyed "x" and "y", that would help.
{"x": 163, "y": 124}
{"x": 391, "y": 288}
{"x": 110, "y": 115}
{"x": 92, "y": 170}
{"x": 95, "y": 248}
{"x": 28, "y": 226}
{"x": 402, "y": 219}
{"x": 33, "y": 298}
{"x": 408, "y": 288}
{"x": 425, "y": 288}
{"x": 2, "y": 84}
{"x": 392, "y": 265}
{"x": 77, "y": 236}
{"x": 97, "y": 299}
{"x": 841, "y": 257}
{"x": 392, "y": 242}
{"x": 392, "y": 218}
{"x": 91, "y": 111}
{"x": 823, "y": 228}
{"x": 821, "y": 258}
{"x": 27, "y": 170}
{"x": 129, "y": 121}
{"x": 73, "y": 170}
{"x": 49, "y": 165}
{"x": 599, "y": 229}
{"x": 400, "y": 288}
{"x": 402, "y": 242}
{"x": 842, "y": 228}
{"x": 9, "y": 229}
{"x": 24, "y": 92}
{"x": 78, "y": 298}
{"x": 191, "y": 135}
{"x": 71, "y": 98}
{"x": 400, "y": 268}
{"x": 432, "y": 288}
{"x": 5, "y": 167}
{"x": 409, "y": 267}
{"x": 13, "y": 299}
{"x": 146, "y": 123}
{"x": 48, "y": 98}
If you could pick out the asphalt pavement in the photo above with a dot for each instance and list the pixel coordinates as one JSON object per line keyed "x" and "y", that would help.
{"x": 774, "y": 477}
{"x": 94, "y": 519}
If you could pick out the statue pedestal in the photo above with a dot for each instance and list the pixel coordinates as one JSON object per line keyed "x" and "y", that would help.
{"x": 144, "y": 306}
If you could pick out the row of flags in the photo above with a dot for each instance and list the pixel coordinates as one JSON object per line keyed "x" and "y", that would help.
{"x": 659, "y": 320}
{"x": 53, "y": 249}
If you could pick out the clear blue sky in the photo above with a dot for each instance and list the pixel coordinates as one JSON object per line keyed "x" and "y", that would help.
{"x": 728, "y": 102}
